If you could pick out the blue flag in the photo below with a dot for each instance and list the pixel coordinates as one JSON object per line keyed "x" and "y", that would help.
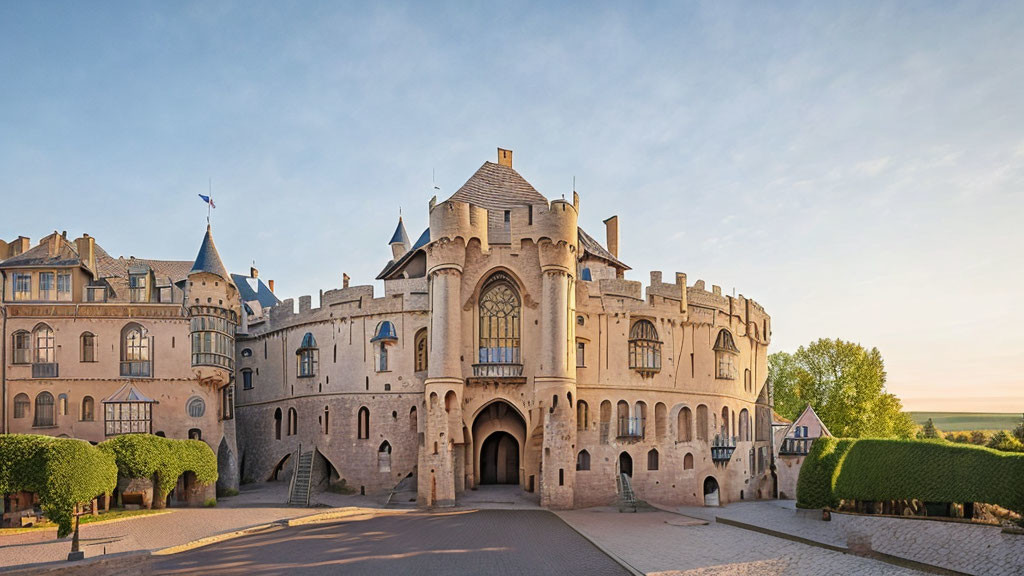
{"x": 208, "y": 200}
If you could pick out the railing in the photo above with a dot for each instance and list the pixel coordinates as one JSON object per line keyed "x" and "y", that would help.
{"x": 216, "y": 360}
{"x": 631, "y": 427}
{"x": 796, "y": 446}
{"x": 498, "y": 370}
{"x": 44, "y": 370}
{"x": 722, "y": 448}
{"x": 136, "y": 369}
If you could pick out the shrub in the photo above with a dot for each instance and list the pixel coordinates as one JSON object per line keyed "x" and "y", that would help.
{"x": 143, "y": 455}
{"x": 64, "y": 472}
{"x": 210, "y": 502}
{"x": 930, "y": 471}
{"x": 818, "y": 471}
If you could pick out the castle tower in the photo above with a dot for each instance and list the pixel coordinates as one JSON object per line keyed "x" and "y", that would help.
{"x": 399, "y": 241}
{"x": 214, "y": 307}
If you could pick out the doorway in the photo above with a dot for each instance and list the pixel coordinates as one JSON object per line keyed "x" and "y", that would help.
{"x": 626, "y": 464}
{"x": 499, "y": 459}
{"x": 711, "y": 492}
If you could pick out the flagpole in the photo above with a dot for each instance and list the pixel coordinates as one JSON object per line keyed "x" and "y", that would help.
{"x": 209, "y": 204}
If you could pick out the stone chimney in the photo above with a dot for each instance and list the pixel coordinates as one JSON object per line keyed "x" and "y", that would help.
{"x": 344, "y": 280}
{"x": 504, "y": 157}
{"x": 270, "y": 284}
{"x": 19, "y": 246}
{"x": 253, "y": 272}
{"x": 86, "y": 246}
{"x": 611, "y": 228}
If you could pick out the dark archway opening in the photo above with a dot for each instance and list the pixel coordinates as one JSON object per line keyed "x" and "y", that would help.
{"x": 626, "y": 464}
{"x": 499, "y": 459}
{"x": 711, "y": 492}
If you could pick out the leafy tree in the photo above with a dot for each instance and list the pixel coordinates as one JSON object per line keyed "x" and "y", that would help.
{"x": 929, "y": 430}
{"x": 1006, "y": 442}
{"x": 1018, "y": 432}
{"x": 978, "y": 437}
{"x": 844, "y": 383}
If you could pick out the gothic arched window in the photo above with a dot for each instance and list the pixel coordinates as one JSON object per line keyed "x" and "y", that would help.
{"x": 421, "y": 350}
{"x": 644, "y": 347}
{"x": 135, "y": 360}
{"x": 725, "y": 353}
{"x": 500, "y": 313}
{"x": 308, "y": 356}
{"x": 42, "y": 337}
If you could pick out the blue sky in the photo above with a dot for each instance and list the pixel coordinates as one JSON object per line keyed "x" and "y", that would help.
{"x": 857, "y": 168}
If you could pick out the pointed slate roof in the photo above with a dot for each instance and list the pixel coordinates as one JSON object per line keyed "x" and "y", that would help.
{"x": 208, "y": 259}
{"x": 250, "y": 289}
{"x": 399, "y": 237}
{"x": 496, "y": 187}
{"x": 395, "y": 265}
{"x": 588, "y": 245}
{"x": 128, "y": 393}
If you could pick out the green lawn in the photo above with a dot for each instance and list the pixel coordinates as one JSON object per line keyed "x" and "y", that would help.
{"x": 112, "y": 514}
{"x": 960, "y": 421}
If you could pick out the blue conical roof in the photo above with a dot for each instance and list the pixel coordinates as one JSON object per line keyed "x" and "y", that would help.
{"x": 399, "y": 237}
{"x": 208, "y": 259}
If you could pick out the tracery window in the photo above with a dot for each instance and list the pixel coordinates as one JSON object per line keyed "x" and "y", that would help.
{"x": 644, "y": 347}
{"x": 308, "y": 356}
{"x": 725, "y": 355}
{"x": 196, "y": 407}
{"x": 135, "y": 359}
{"x": 500, "y": 313}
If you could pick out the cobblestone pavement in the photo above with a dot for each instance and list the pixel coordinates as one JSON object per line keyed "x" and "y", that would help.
{"x": 970, "y": 548}
{"x": 492, "y": 542}
{"x": 654, "y": 543}
{"x": 258, "y": 504}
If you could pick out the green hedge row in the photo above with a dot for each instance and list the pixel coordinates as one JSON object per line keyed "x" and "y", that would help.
{"x": 143, "y": 455}
{"x": 893, "y": 469}
{"x": 62, "y": 471}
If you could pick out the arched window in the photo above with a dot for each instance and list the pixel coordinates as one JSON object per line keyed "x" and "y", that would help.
{"x": 606, "y": 421}
{"x": 44, "y": 410}
{"x": 748, "y": 384}
{"x": 581, "y": 415}
{"x": 500, "y": 311}
{"x": 383, "y": 366}
{"x": 412, "y": 419}
{"x": 363, "y": 422}
{"x": 652, "y": 459}
{"x": 135, "y": 357}
{"x": 688, "y": 461}
{"x": 726, "y": 431}
{"x": 644, "y": 347}
{"x": 247, "y": 379}
{"x": 88, "y": 409}
{"x": 421, "y": 350}
{"x": 583, "y": 460}
{"x": 22, "y": 404}
{"x": 744, "y": 432}
{"x": 196, "y": 407}
{"x": 623, "y": 419}
{"x": 195, "y": 434}
{"x": 62, "y": 404}
{"x": 21, "y": 347}
{"x": 384, "y": 457}
{"x": 87, "y": 345}
{"x": 42, "y": 337}
{"x": 308, "y": 356}
{"x": 640, "y": 419}
{"x": 725, "y": 354}
{"x": 293, "y": 422}
{"x": 684, "y": 425}
{"x": 277, "y": 424}
{"x": 702, "y": 423}
{"x": 660, "y": 417}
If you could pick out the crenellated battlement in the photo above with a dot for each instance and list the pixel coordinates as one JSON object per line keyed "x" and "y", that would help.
{"x": 341, "y": 303}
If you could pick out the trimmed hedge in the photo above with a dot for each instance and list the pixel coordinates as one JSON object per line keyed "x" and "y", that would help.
{"x": 62, "y": 471}
{"x": 928, "y": 470}
{"x": 143, "y": 455}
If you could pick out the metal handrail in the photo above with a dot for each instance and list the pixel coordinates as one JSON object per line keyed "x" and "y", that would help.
{"x": 295, "y": 473}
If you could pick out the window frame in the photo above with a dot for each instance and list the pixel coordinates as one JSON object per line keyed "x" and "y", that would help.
{"x": 499, "y": 320}
{"x": 644, "y": 347}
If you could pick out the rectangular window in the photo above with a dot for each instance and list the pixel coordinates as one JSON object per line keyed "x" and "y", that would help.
{"x": 137, "y": 288}
{"x": 46, "y": 286}
{"x": 127, "y": 418}
{"x": 228, "y": 402}
{"x": 247, "y": 380}
{"x": 22, "y": 347}
{"x": 22, "y": 286}
{"x": 581, "y": 349}
{"x": 96, "y": 294}
{"x": 64, "y": 286}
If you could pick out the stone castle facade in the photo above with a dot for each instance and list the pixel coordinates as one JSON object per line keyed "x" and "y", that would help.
{"x": 508, "y": 348}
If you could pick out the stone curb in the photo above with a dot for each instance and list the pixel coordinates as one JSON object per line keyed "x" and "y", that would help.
{"x": 96, "y": 523}
{"x": 217, "y": 538}
{"x": 880, "y": 556}
{"x": 625, "y": 565}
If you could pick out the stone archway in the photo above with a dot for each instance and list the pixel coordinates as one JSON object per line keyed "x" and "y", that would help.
{"x": 711, "y": 492}
{"x": 626, "y": 464}
{"x": 498, "y": 440}
{"x": 499, "y": 459}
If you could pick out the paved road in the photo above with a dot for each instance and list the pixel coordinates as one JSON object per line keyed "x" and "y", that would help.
{"x": 492, "y": 542}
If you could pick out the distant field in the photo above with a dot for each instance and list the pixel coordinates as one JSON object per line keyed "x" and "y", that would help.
{"x": 958, "y": 421}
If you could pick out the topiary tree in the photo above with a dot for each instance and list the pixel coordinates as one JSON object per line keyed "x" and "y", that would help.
{"x": 818, "y": 472}
{"x": 64, "y": 472}
{"x": 163, "y": 460}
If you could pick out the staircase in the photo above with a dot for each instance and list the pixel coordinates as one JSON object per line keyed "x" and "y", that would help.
{"x": 627, "y": 498}
{"x": 298, "y": 491}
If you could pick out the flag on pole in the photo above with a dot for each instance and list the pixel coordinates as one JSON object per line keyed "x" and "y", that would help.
{"x": 208, "y": 200}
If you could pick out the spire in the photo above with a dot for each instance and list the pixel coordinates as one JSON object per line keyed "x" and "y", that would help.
{"x": 400, "y": 237}
{"x": 208, "y": 259}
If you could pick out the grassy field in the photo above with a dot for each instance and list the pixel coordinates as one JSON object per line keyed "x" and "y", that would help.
{"x": 959, "y": 421}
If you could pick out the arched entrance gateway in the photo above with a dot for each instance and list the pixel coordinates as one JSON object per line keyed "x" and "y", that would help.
{"x": 626, "y": 464}
{"x": 711, "y": 491}
{"x": 499, "y": 435}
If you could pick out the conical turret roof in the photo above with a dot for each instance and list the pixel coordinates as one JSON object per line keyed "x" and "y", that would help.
{"x": 208, "y": 259}
{"x": 400, "y": 237}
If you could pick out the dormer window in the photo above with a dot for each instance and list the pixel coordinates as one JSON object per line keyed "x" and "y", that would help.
{"x": 384, "y": 335}
{"x": 725, "y": 354}
{"x": 308, "y": 356}
{"x": 46, "y": 286}
{"x": 138, "y": 287}
{"x": 64, "y": 286}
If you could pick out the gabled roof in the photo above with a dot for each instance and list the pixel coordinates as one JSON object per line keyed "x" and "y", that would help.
{"x": 496, "y": 188}
{"x": 127, "y": 393}
{"x": 399, "y": 237}
{"x": 66, "y": 254}
{"x": 250, "y": 289}
{"x": 779, "y": 419}
{"x": 810, "y": 413}
{"x": 395, "y": 265}
{"x": 592, "y": 247}
{"x": 208, "y": 259}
